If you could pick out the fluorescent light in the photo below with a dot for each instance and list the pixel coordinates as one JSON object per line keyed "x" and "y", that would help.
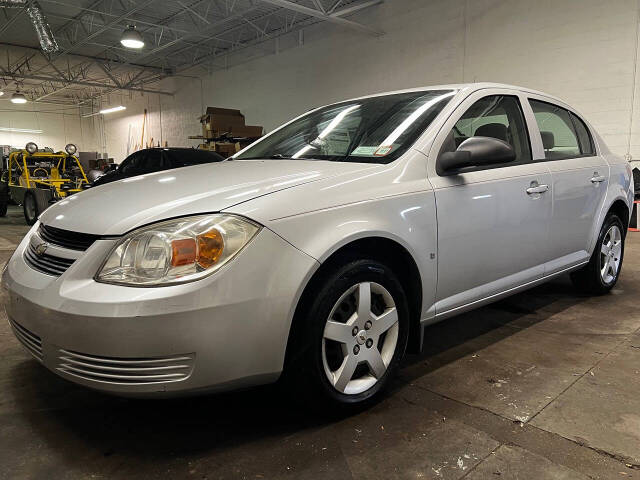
{"x": 18, "y": 98}
{"x": 112, "y": 109}
{"x": 131, "y": 38}
{"x": 19, "y": 130}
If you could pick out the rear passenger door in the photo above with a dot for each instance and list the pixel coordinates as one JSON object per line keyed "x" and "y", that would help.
{"x": 579, "y": 182}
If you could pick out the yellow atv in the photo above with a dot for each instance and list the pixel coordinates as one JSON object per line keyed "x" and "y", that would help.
{"x": 36, "y": 178}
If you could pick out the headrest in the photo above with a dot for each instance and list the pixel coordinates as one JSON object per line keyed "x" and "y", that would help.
{"x": 548, "y": 140}
{"x": 493, "y": 130}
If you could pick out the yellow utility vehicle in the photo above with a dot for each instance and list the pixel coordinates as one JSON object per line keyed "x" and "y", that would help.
{"x": 36, "y": 178}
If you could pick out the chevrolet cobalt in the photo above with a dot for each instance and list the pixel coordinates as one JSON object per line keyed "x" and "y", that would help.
{"x": 322, "y": 250}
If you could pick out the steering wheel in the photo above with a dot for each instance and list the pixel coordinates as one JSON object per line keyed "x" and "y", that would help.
{"x": 40, "y": 169}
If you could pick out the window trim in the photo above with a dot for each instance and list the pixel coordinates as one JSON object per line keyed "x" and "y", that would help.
{"x": 575, "y": 117}
{"x": 518, "y": 99}
{"x": 571, "y": 113}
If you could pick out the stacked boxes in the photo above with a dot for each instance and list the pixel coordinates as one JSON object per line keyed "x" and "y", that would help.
{"x": 219, "y": 122}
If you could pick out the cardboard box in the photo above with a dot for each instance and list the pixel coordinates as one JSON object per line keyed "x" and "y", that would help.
{"x": 217, "y": 122}
{"x": 222, "y": 118}
{"x": 250, "y": 131}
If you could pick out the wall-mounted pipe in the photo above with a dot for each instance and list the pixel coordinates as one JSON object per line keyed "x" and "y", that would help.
{"x": 43, "y": 30}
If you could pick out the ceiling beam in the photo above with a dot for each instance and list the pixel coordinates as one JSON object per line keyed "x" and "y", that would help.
{"x": 335, "y": 17}
{"x": 92, "y": 58}
{"x": 85, "y": 83}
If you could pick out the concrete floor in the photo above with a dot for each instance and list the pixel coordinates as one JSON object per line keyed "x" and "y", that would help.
{"x": 544, "y": 385}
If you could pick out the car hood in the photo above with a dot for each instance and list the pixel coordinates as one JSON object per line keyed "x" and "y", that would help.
{"x": 121, "y": 206}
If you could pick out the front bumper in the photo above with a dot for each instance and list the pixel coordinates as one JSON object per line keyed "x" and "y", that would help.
{"x": 226, "y": 331}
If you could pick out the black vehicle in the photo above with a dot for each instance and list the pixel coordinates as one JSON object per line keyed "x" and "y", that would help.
{"x": 152, "y": 160}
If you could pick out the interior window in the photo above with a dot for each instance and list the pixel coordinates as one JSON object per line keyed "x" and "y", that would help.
{"x": 584, "y": 137}
{"x": 496, "y": 116}
{"x": 558, "y": 134}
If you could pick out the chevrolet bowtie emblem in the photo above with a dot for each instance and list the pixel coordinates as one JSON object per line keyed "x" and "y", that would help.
{"x": 41, "y": 248}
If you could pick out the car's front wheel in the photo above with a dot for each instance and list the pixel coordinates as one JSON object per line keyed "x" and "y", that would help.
{"x": 354, "y": 334}
{"x": 601, "y": 273}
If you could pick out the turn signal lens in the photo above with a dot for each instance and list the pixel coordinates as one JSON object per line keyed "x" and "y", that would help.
{"x": 183, "y": 252}
{"x": 210, "y": 248}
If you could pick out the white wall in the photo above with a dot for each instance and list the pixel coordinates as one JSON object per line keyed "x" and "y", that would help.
{"x": 59, "y": 124}
{"x": 584, "y": 51}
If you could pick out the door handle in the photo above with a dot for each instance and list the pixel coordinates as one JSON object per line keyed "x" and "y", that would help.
{"x": 597, "y": 178}
{"x": 536, "y": 188}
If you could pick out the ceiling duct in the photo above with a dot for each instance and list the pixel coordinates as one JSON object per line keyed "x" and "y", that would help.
{"x": 43, "y": 29}
{"x": 39, "y": 21}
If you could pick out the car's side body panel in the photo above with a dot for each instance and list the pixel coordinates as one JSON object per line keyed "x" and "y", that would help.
{"x": 400, "y": 207}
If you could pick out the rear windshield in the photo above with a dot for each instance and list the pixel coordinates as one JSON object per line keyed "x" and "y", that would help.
{"x": 370, "y": 130}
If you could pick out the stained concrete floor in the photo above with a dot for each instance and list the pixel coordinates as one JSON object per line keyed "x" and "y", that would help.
{"x": 543, "y": 385}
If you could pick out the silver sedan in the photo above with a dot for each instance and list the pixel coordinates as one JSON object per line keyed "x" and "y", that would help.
{"x": 322, "y": 250}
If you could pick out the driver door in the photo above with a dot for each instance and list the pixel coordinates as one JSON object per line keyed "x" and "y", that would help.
{"x": 492, "y": 227}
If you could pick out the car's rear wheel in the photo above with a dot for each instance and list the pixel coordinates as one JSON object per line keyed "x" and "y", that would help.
{"x": 603, "y": 270}
{"x": 354, "y": 334}
{"x": 30, "y": 208}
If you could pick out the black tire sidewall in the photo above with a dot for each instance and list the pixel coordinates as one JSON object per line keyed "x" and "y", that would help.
{"x": 332, "y": 288}
{"x": 30, "y": 221}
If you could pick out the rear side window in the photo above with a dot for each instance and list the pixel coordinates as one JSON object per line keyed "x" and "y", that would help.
{"x": 563, "y": 134}
{"x": 584, "y": 137}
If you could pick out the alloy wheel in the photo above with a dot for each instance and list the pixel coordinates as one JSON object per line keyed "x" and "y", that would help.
{"x": 611, "y": 254}
{"x": 360, "y": 338}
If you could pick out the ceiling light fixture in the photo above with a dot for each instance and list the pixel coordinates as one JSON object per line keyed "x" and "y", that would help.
{"x": 18, "y": 98}
{"x": 1, "y": 93}
{"x": 112, "y": 109}
{"x": 20, "y": 130}
{"x": 131, "y": 38}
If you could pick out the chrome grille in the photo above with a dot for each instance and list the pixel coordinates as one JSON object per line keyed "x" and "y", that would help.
{"x": 29, "y": 340}
{"x": 45, "y": 263}
{"x": 126, "y": 370}
{"x": 66, "y": 239}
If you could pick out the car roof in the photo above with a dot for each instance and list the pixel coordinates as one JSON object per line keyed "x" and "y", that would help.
{"x": 458, "y": 87}
{"x": 178, "y": 149}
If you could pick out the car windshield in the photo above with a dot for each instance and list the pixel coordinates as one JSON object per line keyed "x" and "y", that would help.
{"x": 370, "y": 130}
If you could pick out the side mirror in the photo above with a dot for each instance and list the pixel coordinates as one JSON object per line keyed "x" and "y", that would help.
{"x": 477, "y": 151}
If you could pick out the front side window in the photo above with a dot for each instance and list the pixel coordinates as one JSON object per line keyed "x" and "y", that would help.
{"x": 370, "y": 130}
{"x": 496, "y": 116}
{"x": 563, "y": 134}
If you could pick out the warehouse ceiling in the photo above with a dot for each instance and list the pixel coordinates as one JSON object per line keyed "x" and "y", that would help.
{"x": 87, "y": 61}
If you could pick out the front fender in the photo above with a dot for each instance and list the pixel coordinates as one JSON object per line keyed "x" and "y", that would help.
{"x": 409, "y": 220}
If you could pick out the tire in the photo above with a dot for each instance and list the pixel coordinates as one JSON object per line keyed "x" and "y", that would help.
{"x": 609, "y": 251}
{"x": 358, "y": 338}
{"x": 4, "y": 198}
{"x": 30, "y": 208}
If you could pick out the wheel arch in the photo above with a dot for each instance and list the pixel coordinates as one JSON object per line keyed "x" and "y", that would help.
{"x": 376, "y": 247}
{"x": 621, "y": 209}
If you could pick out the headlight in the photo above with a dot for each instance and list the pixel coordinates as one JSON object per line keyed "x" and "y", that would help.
{"x": 31, "y": 148}
{"x": 71, "y": 149}
{"x": 177, "y": 251}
